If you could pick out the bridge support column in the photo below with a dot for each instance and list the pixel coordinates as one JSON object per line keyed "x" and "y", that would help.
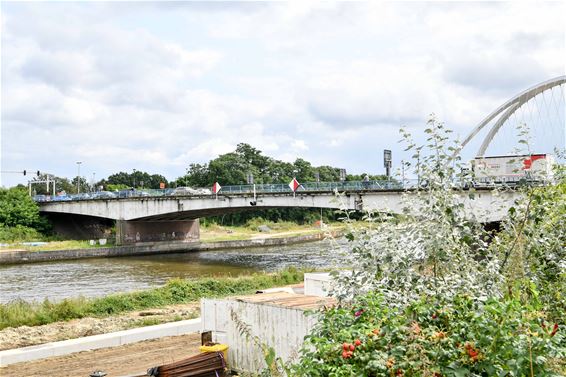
{"x": 128, "y": 232}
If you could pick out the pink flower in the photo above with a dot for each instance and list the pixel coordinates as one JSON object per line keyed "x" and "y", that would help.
{"x": 358, "y": 313}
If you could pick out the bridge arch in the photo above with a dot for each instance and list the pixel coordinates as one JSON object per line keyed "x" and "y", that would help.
{"x": 506, "y": 110}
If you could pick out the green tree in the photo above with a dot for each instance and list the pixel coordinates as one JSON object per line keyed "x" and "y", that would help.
{"x": 61, "y": 184}
{"x": 137, "y": 179}
{"x": 303, "y": 170}
{"x": 18, "y": 209}
{"x": 328, "y": 173}
{"x": 197, "y": 175}
{"x": 83, "y": 185}
{"x": 230, "y": 169}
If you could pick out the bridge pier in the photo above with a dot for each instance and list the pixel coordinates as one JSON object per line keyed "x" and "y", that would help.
{"x": 128, "y": 232}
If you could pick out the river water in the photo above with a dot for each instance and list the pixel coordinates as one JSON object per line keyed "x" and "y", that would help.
{"x": 101, "y": 276}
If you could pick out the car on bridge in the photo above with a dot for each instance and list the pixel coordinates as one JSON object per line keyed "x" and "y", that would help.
{"x": 104, "y": 195}
{"x": 182, "y": 191}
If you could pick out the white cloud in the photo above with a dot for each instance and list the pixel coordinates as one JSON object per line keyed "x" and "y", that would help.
{"x": 157, "y": 86}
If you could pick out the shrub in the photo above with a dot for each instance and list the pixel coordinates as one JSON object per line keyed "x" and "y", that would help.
{"x": 459, "y": 337}
{"x": 436, "y": 248}
{"x": 19, "y": 233}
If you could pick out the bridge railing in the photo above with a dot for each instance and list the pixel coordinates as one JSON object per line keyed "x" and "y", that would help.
{"x": 281, "y": 188}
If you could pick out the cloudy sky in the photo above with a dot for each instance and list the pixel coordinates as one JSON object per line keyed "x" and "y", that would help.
{"x": 156, "y": 86}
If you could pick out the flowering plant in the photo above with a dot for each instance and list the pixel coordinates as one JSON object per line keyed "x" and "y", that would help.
{"x": 461, "y": 337}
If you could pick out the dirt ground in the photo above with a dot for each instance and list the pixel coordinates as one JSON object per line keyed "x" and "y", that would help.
{"x": 128, "y": 360}
{"x": 24, "y": 336}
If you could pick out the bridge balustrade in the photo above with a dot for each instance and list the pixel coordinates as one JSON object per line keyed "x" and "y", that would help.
{"x": 270, "y": 188}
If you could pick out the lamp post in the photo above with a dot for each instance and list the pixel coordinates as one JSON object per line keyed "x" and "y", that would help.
{"x": 93, "y": 182}
{"x": 134, "y": 176}
{"x": 79, "y": 176}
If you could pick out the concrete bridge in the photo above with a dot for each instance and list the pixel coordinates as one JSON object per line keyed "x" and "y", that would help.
{"x": 164, "y": 218}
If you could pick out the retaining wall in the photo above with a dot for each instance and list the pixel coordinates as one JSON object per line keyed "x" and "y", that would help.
{"x": 148, "y": 248}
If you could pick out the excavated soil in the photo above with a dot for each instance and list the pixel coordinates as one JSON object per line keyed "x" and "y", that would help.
{"x": 128, "y": 360}
{"x": 28, "y": 336}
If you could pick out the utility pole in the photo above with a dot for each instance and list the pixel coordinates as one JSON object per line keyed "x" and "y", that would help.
{"x": 403, "y": 173}
{"x": 79, "y": 176}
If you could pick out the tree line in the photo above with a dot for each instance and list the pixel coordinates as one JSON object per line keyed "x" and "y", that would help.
{"x": 234, "y": 168}
{"x": 20, "y": 217}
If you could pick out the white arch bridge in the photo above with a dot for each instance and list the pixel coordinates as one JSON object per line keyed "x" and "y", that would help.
{"x": 541, "y": 109}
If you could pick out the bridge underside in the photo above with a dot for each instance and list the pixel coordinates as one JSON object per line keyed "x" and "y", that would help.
{"x": 128, "y": 232}
{"x": 192, "y": 215}
{"x": 80, "y": 227}
{"x": 176, "y": 218}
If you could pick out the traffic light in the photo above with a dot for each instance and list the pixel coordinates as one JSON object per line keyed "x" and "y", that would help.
{"x": 24, "y": 172}
{"x": 38, "y": 173}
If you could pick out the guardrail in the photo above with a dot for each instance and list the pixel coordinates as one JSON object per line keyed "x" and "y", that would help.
{"x": 279, "y": 188}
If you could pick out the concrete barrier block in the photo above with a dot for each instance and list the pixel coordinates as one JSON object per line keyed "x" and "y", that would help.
{"x": 98, "y": 341}
{"x": 20, "y": 355}
{"x": 85, "y": 344}
{"x": 189, "y": 326}
{"x": 149, "y": 333}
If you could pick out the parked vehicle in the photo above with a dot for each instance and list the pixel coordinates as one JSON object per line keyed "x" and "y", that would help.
{"x": 104, "y": 195}
{"x": 141, "y": 193}
{"x": 204, "y": 191}
{"x": 512, "y": 169}
{"x": 125, "y": 193}
{"x": 190, "y": 191}
{"x": 61, "y": 198}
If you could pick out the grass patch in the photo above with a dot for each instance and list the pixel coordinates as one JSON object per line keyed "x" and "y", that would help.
{"x": 56, "y": 245}
{"x": 176, "y": 291}
{"x": 216, "y": 233}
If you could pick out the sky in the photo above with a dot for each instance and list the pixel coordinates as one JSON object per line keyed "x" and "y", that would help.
{"x": 157, "y": 86}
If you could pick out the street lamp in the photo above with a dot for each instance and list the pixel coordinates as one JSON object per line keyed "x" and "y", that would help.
{"x": 79, "y": 176}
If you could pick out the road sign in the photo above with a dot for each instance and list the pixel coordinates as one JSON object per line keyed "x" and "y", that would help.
{"x": 387, "y": 162}
{"x": 386, "y": 158}
{"x": 294, "y": 184}
{"x": 216, "y": 187}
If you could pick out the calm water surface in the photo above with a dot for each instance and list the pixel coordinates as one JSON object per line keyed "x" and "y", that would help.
{"x": 98, "y": 277}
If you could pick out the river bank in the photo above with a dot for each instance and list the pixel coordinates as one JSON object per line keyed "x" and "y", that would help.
{"x": 23, "y": 324}
{"x": 148, "y": 248}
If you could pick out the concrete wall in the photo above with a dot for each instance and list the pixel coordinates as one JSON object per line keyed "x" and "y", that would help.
{"x": 128, "y": 232}
{"x": 148, "y": 248}
{"x": 79, "y": 227}
{"x": 318, "y": 284}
